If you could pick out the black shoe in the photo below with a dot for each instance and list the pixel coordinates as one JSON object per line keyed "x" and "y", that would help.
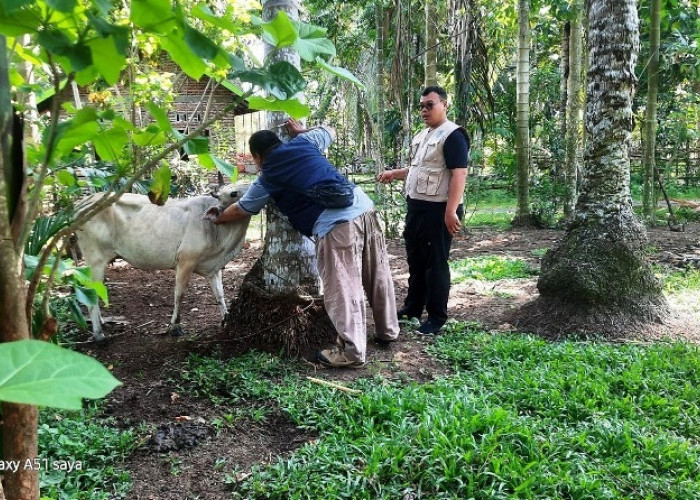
{"x": 384, "y": 343}
{"x": 404, "y": 315}
{"x": 430, "y": 327}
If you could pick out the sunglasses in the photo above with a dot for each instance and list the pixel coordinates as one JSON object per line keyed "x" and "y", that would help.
{"x": 428, "y": 105}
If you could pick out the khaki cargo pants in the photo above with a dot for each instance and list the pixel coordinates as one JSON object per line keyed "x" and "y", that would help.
{"x": 352, "y": 260}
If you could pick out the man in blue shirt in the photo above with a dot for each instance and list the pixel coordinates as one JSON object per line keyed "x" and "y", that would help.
{"x": 350, "y": 247}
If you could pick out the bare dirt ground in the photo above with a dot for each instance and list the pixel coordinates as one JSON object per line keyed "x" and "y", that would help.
{"x": 183, "y": 456}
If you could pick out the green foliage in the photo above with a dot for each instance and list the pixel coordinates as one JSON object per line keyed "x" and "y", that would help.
{"x": 519, "y": 417}
{"x": 490, "y": 268}
{"x": 679, "y": 280}
{"x": 94, "y": 444}
{"x": 40, "y": 373}
{"x": 231, "y": 381}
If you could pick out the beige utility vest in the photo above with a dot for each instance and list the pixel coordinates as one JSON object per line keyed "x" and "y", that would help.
{"x": 428, "y": 177}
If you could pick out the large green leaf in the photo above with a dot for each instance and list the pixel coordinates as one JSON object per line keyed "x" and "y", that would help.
{"x": 293, "y": 107}
{"x": 107, "y": 58}
{"x": 11, "y": 6}
{"x": 62, "y": 5}
{"x": 200, "y": 44}
{"x": 203, "y": 12}
{"x": 312, "y": 42}
{"x": 281, "y": 80}
{"x": 180, "y": 52}
{"x": 74, "y": 134}
{"x": 196, "y": 146}
{"x": 160, "y": 188}
{"x": 154, "y": 15}
{"x": 230, "y": 171}
{"x": 40, "y": 373}
{"x": 109, "y": 144}
{"x": 160, "y": 116}
{"x": 279, "y": 32}
{"x": 15, "y": 22}
{"x": 341, "y": 72}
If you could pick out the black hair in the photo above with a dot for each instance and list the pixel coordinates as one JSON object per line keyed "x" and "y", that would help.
{"x": 437, "y": 89}
{"x": 262, "y": 141}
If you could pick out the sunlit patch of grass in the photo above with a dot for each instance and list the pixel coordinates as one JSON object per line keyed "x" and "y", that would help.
{"x": 498, "y": 220}
{"x": 680, "y": 280}
{"x": 490, "y": 268}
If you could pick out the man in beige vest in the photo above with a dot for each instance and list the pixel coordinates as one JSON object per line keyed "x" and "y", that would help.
{"x": 434, "y": 188}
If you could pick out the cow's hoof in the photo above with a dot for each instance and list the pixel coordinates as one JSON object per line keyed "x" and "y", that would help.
{"x": 176, "y": 331}
{"x": 102, "y": 341}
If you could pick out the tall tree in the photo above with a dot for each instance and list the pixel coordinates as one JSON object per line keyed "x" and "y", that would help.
{"x": 574, "y": 106}
{"x": 20, "y": 420}
{"x": 649, "y": 134}
{"x": 430, "y": 42}
{"x": 522, "y": 134}
{"x": 597, "y": 276}
{"x": 289, "y": 258}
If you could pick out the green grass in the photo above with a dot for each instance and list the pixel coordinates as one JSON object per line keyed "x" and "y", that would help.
{"x": 490, "y": 268}
{"x": 497, "y": 220}
{"x": 94, "y": 445}
{"x": 518, "y": 418}
{"x": 679, "y": 280}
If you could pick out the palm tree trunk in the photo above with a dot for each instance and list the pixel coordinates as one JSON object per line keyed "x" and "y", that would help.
{"x": 599, "y": 269}
{"x": 289, "y": 259}
{"x": 649, "y": 135}
{"x": 430, "y": 43}
{"x": 522, "y": 135}
{"x": 573, "y": 115}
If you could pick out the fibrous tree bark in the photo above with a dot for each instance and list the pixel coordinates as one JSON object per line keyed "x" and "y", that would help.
{"x": 596, "y": 278}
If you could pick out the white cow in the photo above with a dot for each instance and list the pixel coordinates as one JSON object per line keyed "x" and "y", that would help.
{"x": 172, "y": 236}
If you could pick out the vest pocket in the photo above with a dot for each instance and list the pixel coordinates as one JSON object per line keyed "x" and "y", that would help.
{"x": 429, "y": 180}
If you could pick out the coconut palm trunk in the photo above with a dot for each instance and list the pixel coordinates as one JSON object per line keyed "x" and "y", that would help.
{"x": 289, "y": 258}
{"x": 598, "y": 272}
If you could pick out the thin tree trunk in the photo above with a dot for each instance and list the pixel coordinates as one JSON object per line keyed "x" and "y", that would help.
{"x": 573, "y": 115}
{"x": 563, "y": 97}
{"x": 522, "y": 135}
{"x": 289, "y": 259}
{"x": 19, "y": 426}
{"x": 598, "y": 272}
{"x": 380, "y": 88}
{"x": 430, "y": 43}
{"x": 649, "y": 135}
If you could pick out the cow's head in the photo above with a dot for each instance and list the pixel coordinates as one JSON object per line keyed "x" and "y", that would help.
{"x": 231, "y": 193}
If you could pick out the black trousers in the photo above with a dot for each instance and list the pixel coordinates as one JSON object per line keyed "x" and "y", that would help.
{"x": 428, "y": 245}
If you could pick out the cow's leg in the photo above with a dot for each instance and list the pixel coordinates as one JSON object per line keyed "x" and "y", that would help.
{"x": 182, "y": 277}
{"x": 217, "y": 286}
{"x": 97, "y": 268}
